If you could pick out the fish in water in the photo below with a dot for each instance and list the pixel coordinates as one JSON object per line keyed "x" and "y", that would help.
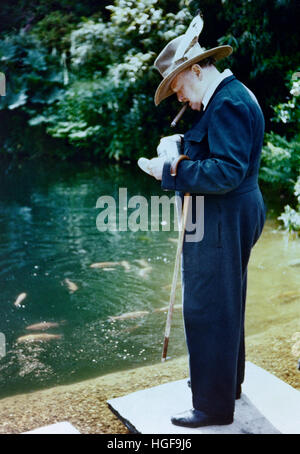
{"x": 144, "y": 271}
{"x": 142, "y": 262}
{"x": 43, "y": 326}
{"x": 108, "y": 266}
{"x": 104, "y": 264}
{"x": 71, "y": 285}
{"x": 146, "y": 268}
{"x": 19, "y": 300}
{"x": 38, "y": 337}
{"x": 129, "y": 329}
{"x": 126, "y": 265}
{"x": 166, "y": 308}
{"x": 128, "y": 315}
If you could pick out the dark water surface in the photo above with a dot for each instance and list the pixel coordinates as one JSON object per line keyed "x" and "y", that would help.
{"x": 48, "y": 233}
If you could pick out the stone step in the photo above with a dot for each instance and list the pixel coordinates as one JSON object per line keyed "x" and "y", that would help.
{"x": 63, "y": 427}
{"x": 267, "y": 406}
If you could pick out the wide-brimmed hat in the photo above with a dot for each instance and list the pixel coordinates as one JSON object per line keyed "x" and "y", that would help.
{"x": 182, "y": 52}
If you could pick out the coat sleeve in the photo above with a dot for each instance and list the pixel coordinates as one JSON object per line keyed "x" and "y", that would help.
{"x": 229, "y": 140}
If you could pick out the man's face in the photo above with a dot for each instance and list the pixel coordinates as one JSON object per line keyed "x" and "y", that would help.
{"x": 189, "y": 87}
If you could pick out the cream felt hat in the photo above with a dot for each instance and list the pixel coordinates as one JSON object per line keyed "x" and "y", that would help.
{"x": 182, "y": 52}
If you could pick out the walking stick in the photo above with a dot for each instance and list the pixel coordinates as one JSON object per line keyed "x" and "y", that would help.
{"x": 175, "y": 274}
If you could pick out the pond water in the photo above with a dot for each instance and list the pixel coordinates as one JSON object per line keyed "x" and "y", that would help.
{"x": 48, "y": 234}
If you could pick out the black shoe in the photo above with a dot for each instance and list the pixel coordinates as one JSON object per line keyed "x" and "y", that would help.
{"x": 238, "y": 391}
{"x": 197, "y": 418}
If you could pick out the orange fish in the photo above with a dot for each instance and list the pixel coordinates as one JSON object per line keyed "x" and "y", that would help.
{"x": 19, "y": 300}
{"x": 38, "y": 337}
{"x": 43, "y": 326}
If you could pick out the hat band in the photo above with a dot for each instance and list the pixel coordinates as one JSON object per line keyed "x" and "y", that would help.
{"x": 194, "y": 51}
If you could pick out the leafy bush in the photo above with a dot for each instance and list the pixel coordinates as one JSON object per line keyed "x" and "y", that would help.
{"x": 280, "y": 162}
{"x": 90, "y": 80}
{"x": 289, "y": 112}
{"x": 291, "y": 217}
{"x": 265, "y": 38}
{"x": 54, "y": 29}
{"x": 109, "y": 105}
{"x": 33, "y": 76}
{"x": 281, "y": 157}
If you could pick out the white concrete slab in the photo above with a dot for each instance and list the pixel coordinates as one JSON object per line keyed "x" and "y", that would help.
{"x": 267, "y": 406}
{"x": 275, "y": 399}
{"x": 61, "y": 428}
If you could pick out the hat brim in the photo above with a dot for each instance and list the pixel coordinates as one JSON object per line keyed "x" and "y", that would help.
{"x": 164, "y": 91}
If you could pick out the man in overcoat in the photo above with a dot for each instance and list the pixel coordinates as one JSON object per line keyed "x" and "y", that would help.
{"x": 219, "y": 160}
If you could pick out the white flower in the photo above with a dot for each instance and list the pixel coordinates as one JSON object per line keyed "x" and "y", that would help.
{"x": 295, "y": 91}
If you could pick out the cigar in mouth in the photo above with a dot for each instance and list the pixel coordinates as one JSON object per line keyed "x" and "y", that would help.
{"x": 179, "y": 115}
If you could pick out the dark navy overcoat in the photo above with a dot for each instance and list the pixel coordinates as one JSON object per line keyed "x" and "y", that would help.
{"x": 224, "y": 147}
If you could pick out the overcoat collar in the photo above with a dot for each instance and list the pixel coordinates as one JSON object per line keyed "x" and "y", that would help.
{"x": 200, "y": 114}
{"x": 220, "y": 86}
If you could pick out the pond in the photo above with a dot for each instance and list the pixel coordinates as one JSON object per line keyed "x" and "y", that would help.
{"x": 49, "y": 240}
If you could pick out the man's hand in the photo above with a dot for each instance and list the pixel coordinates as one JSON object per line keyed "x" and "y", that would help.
{"x": 168, "y": 146}
{"x": 155, "y": 167}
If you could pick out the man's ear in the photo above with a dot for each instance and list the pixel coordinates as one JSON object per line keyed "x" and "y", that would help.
{"x": 197, "y": 70}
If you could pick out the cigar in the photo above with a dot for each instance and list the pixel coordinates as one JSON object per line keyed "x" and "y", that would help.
{"x": 179, "y": 115}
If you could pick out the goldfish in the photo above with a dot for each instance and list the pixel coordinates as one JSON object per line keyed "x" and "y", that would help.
{"x": 38, "y": 337}
{"x": 128, "y": 315}
{"x": 146, "y": 268}
{"x": 144, "y": 271}
{"x": 19, "y": 300}
{"x": 104, "y": 264}
{"x": 125, "y": 264}
{"x": 142, "y": 262}
{"x": 43, "y": 326}
{"x": 71, "y": 285}
{"x": 166, "y": 308}
{"x": 109, "y": 265}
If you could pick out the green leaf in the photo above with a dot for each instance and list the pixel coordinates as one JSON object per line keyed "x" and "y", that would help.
{"x": 19, "y": 99}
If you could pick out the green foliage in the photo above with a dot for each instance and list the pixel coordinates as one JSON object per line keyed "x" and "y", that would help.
{"x": 135, "y": 27}
{"x": 291, "y": 217}
{"x": 280, "y": 161}
{"x": 265, "y": 37}
{"x": 289, "y": 112}
{"x": 84, "y": 70}
{"x": 54, "y": 29}
{"x": 109, "y": 107}
{"x": 33, "y": 77}
{"x": 281, "y": 157}
{"x": 19, "y": 15}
